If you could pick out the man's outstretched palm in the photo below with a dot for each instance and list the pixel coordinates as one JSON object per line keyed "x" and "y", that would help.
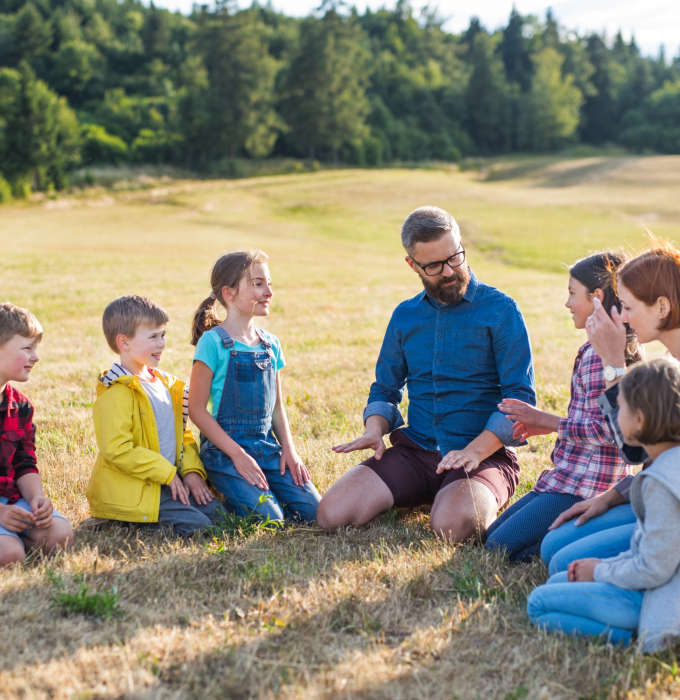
{"x": 368, "y": 441}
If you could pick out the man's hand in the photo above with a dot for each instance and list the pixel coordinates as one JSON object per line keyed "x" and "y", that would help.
{"x": 15, "y": 519}
{"x": 468, "y": 459}
{"x": 527, "y": 419}
{"x": 250, "y": 470}
{"x": 291, "y": 459}
{"x": 179, "y": 490}
{"x": 198, "y": 488}
{"x": 583, "y": 511}
{"x": 41, "y": 508}
{"x": 607, "y": 335}
{"x": 368, "y": 441}
{"x": 582, "y": 570}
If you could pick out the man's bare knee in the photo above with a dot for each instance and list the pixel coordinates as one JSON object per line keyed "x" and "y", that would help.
{"x": 457, "y": 528}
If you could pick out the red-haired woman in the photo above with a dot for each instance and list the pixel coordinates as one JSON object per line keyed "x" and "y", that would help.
{"x": 649, "y": 289}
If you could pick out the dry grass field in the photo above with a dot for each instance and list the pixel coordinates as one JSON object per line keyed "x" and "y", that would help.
{"x": 384, "y": 612}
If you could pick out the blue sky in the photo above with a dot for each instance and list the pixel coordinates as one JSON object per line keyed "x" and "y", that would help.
{"x": 654, "y": 22}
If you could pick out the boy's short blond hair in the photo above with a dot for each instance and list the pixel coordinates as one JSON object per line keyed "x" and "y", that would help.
{"x": 124, "y": 315}
{"x": 17, "y": 321}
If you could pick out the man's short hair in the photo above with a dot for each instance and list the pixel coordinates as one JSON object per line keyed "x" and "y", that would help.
{"x": 427, "y": 224}
{"x": 17, "y": 321}
{"x": 124, "y": 315}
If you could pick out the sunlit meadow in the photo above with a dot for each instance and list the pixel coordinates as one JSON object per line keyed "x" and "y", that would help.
{"x": 388, "y": 611}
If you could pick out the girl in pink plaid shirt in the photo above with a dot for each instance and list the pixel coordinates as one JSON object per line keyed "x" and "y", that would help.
{"x": 586, "y": 458}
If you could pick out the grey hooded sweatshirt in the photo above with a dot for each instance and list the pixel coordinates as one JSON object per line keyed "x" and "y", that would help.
{"x": 653, "y": 560}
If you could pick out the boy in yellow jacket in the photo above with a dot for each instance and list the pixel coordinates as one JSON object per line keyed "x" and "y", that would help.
{"x": 148, "y": 469}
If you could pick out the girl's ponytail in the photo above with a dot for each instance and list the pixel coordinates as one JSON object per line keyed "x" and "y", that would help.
{"x": 205, "y": 318}
{"x": 227, "y": 271}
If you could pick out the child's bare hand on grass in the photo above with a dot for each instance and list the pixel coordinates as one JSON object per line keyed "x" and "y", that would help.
{"x": 179, "y": 490}
{"x": 535, "y": 421}
{"x": 291, "y": 459}
{"x": 198, "y": 488}
{"x": 582, "y": 570}
{"x": 15, "y": 519}
{"x": 41, "y": 509}
{"x": 250, "y": 470}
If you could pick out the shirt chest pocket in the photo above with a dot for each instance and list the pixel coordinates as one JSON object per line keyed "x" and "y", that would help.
{"x": 470, "y": 348}
{"x": 9, "y": 442}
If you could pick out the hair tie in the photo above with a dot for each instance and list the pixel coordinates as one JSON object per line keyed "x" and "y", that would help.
{"x": 212, "y": 295}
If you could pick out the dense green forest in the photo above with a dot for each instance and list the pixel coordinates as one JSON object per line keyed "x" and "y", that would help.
{"x": 102, "y": 81}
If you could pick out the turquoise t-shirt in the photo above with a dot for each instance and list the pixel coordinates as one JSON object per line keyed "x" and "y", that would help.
{"x": 210, "y": 351}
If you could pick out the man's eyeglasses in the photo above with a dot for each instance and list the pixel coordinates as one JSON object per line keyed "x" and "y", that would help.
{"x": 435, "y": 268}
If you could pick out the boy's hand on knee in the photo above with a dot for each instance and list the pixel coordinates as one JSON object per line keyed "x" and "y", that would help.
{"x": 250, "y": 470}
{"x": 179, "y": 490}
{"x": 15, "y": 519}
{"x": 41, "y": 508}
{"x": 298, "y": 471}
{"x": 582, "y": 570}
{"x": 198, "y": 488}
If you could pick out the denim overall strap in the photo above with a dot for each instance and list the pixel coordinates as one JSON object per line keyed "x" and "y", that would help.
{"x": 266, "y": 344}
{"x": 226, "y": 339}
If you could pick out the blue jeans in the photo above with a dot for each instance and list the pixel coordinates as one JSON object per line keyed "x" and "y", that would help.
{"x": 520, "y": 529}
{"x": 602, "y": 537}
{"x": 284, "y": 499}
{"x": 599, "y": 609}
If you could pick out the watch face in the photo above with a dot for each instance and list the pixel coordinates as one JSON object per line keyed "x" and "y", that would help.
{"x": 609, "y": 373}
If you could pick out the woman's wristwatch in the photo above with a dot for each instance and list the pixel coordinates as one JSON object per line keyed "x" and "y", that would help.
{"x": 612, "y": 373}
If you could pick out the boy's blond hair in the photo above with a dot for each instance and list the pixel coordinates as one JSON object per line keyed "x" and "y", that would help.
{"x": 17, "y": 321}
{"x": 124, "y": 315}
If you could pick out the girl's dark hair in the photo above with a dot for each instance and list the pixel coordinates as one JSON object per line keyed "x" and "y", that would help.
{"x": 653, "y": 388}
{"x": 227, "y": 272}
{"x": 598, "y": 271}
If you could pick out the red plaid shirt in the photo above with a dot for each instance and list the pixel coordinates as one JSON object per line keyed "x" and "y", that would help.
{"x": 17, "y": 442}
{"x": 586, "y": 458}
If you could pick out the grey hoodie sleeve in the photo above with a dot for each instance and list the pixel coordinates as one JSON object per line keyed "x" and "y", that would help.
{"x": 658, "y": 555}
{"x": 623, "y": 487}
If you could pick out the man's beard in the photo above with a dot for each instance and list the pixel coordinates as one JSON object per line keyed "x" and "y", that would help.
{"x": 452, "y": 293}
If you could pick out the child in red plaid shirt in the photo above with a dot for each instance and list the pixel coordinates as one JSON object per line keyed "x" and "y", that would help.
{"x": 586, "y": 458}
{"x": 27, "y": 519}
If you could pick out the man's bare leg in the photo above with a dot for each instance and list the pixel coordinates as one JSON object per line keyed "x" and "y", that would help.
{"x": 462, "y": 510}
{"x": 355, "y": 499}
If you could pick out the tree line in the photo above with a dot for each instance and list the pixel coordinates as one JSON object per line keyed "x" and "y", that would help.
{"x": 109, "y": 81}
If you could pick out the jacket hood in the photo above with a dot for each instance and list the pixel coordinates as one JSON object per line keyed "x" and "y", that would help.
{"x": 117, "y": 374}
{"x": 666, "y": 470}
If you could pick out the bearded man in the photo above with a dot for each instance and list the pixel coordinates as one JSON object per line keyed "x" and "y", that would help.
{"x": 460, "y": 347}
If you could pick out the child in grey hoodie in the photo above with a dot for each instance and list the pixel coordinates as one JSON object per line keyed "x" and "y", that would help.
{"x": 639, "y": 590}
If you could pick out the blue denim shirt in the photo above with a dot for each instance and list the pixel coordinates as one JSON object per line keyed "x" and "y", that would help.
{"x": 458, "y": 363}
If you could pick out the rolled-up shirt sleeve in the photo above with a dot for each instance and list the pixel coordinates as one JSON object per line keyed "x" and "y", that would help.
{"x": 512, "y": 350}
{"x": 390, "y": 379}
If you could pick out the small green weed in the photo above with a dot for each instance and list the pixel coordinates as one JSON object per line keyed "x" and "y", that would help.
{"x": 519, "y": 692}
{"x": 244, "y": 525}
{"x": 101, "y": 605}
{"x": 473, "y": 585}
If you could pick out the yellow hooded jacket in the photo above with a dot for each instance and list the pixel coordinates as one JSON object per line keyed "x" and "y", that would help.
{"x": 129, "y": 470}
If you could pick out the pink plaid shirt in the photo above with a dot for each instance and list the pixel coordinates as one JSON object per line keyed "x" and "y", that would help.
{"x": 586, "y": 458}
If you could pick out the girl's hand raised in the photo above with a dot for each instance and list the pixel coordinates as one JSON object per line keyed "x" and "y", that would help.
{"x": 291, "y": 459}
{"x": 607, "y": 335}
{"x": 249, "y": 469}
{"x": 527, "y": 419}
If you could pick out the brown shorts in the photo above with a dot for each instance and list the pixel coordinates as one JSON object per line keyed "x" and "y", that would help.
{"x": 410, "y": 473}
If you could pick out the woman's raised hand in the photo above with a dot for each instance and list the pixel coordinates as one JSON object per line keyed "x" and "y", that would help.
{"x": 607, "y": 335}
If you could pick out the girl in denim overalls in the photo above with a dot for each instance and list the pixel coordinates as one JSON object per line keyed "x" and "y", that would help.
{"x": 235, "y": 397}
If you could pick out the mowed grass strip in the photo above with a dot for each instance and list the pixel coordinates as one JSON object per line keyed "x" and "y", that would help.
{"x": 384, "y": 612}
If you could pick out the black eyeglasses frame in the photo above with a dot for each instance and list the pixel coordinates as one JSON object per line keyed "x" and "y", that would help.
{"x": 441, "y": 263}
